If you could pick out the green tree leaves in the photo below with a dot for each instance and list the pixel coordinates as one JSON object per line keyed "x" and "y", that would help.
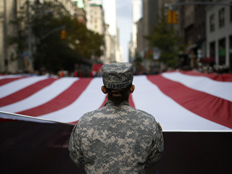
{"x": 167, "y": 40}
{"x": 49, "y": 50}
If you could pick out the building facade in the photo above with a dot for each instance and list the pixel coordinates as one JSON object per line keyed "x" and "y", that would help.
{"x": 206, "y": 29}
{"x": 80, "y": 11}
{"x": 112, "y": 48}
{"x": 192, "y": 27}
{"x": 136, "y": 16}
{"x": 151, "y": 10}
{"x": 219, "y": 35}
{"x": 9, "y": 9}
{"x": 96, "y": 21}
{"x": 139, "y": 48}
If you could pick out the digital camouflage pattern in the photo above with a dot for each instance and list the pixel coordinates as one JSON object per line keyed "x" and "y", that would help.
{"x": 117, "y": 75}
{"x": 116, "y": 139}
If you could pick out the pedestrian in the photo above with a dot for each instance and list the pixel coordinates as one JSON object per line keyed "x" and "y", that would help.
{"x": 117, "y": 138}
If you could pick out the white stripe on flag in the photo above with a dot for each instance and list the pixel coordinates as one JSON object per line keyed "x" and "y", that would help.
{"x": 17, "y": 85}
{"x": 40, "y": 97}
{"x": 203, "y": 84}
{"x": 11, "y": 76}
{"x": 170, "y": 114}
{"x": 13, "y": 116}
{"x": 91, "y": 99}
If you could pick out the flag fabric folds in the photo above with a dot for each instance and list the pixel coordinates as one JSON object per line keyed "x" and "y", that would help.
{"x": 180, "y": 101}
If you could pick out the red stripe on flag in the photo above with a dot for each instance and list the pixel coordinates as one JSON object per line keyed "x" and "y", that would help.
{"x": 25, "y": 92}
{"x": 131, "y": 102}
{"x": 8, "y": 80}
{"x": 205, "y": 105}
{"x": 61, "y": 101}
{"x": 220, "y": 77}
{"x": 106, "y": 99}
{"x": 73, "y": 123}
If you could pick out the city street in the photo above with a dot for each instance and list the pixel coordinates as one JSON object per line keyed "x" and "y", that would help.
{"x": 27, "y": 148}
{"x": 53, "y": 56}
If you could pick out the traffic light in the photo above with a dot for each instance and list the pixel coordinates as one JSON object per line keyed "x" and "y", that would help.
{"x": 169, "y": 18}
{"x": 172, "y": 17}
{"x": 63, "y": 34}
{"x": 175, "y": 17}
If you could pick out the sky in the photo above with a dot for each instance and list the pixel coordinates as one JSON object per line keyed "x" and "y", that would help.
{"x": 124, "y": 21}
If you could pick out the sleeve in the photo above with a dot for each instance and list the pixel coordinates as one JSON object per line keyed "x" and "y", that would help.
{"x": 75, "y": 148}
{"x": 157, "y": 146}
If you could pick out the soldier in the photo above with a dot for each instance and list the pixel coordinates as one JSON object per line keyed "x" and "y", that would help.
{"x": 116, "y": 139}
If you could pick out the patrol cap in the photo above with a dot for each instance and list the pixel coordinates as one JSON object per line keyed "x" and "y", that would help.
{"x": 117, "y": 75}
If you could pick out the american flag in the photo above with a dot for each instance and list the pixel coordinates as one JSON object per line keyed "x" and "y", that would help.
{"x": 179, "y": 101}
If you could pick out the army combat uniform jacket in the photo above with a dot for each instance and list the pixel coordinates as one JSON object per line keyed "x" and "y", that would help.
{"x": 116, "y": 139}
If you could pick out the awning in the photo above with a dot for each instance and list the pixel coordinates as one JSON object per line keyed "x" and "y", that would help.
{"x": 207, "y": 60}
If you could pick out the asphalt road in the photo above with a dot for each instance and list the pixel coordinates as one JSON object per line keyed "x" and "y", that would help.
{"x": 31, "y": 148}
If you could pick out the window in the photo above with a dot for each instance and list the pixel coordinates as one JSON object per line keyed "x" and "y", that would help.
{"x": 75, "y": 3}
{"x": 212, "y": 50}
{"x": 222, "y": 17}
{"x": 231, "y": 12}
{"x": 222, "y": 51}
{"x": 230, "y": 52}
{"x": 212, "y": 22}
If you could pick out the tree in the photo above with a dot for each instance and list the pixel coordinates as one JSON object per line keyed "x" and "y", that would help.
{"x": 85, "y": 42}
{"x": 166, "y": 40}
{"x": 19, "y": 38}
{"x": 49, "y": 50}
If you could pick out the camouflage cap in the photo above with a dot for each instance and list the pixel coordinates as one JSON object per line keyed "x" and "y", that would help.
{"x": 117, "y": 75}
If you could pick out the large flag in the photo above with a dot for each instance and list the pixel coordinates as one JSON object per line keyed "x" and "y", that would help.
{"x": 179, "y": 101}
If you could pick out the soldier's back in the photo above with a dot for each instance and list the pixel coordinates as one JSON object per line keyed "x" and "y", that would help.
{"x": 117, "y": 139}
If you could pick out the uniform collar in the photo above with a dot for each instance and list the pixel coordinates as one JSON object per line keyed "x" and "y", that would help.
{"x": 109, "y": 102}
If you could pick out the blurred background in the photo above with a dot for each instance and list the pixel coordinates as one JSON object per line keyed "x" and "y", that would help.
{"x": 75, "y": 37}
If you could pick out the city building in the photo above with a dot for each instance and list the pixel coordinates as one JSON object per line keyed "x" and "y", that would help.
{"x": 219, "y": 35}
{"x": 192, "y": 27}
{"x": 136, "y": 16}
{"x": 110, "y": 15}
{"x": 206, "y": 28}
{"x": 80, "y": 11}
{"x": 96, "y": 21}
{"x": 112, "y": 48}
{"x": 9, "y": 9}
{"x": 118, "y": 49}
{"x": 150, "y": 11}
{"x": 139, "y": 48}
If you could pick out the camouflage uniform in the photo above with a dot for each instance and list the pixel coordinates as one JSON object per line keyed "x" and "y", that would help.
{"x": 116, "y": 139}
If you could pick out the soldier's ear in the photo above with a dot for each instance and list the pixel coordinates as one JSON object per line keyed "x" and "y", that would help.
{"x": 132, "y": 88}
{"x": 104, "y": 89}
